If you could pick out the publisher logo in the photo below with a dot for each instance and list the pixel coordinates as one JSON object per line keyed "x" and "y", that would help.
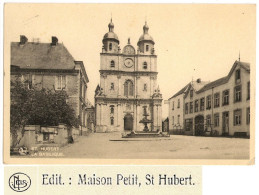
{"x": 19, "y": 182}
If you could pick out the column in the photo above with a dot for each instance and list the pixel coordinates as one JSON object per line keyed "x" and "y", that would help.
{"x": 151, "y": 85}
{"x": 154, "y": 117}
{"x": 104, "y": 83}
{"x": 119, "y": 77}
{"x": 136, "y": 88}
{"x": 136, "y": 116}
{"x": 120, "y": 126}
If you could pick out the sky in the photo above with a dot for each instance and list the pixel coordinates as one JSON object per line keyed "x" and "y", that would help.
{"x": 191, "y": 41}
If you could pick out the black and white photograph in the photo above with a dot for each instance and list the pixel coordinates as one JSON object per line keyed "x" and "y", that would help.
{"x": 134, "y": 82}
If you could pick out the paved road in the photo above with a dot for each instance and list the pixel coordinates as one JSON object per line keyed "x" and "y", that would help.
{"x": 100, "y": 145}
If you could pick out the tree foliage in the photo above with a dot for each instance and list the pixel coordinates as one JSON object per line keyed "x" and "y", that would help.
{"x": 39, "y": 107}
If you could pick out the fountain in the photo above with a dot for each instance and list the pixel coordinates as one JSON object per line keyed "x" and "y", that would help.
{"x": 145, "y": 133}
{"x": 145, "y": 121}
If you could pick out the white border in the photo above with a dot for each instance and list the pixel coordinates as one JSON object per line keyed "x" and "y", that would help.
{"x": 216, "y": 179}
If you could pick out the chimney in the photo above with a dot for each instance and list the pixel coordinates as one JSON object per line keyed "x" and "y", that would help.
{"x": 23, "y": 39}
{"x": 54, "y": 41}
{"x": 198, "y": 80}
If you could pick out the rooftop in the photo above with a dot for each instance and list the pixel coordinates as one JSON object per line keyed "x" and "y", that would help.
{"x": 34, "y": 55}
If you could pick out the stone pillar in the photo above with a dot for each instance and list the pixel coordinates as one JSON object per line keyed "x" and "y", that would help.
{"x": 160, "y": 117}
{"x": 120, "y": 117}
{"x": 99, "y": 117}
{"x": 119, "y": 85}
{"x": 135, "y": 109}
{"x": 29, "y": 138}
{"x": 104, "y": 83}
{"x": 136, "y": 88}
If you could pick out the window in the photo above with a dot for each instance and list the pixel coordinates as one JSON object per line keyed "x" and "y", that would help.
{"x": 112, "y": 109}
{"x": 178, "y": 119}
{"x": 191, "y": 93}
{"x": 145, "y": 65}
{"x": 196, "y": 109}
{"x": 216, "y": 120}
{"x": 173, "y": 120}
{"x": 112, "y": 64}
{"x": 208, "y": 102}
{"x": 191, "y": 107}
{"x": 216, "y": 100}
{"x": 237, "y": 117}
{"x": 208, "y": 120}
{"x": 128, "y": 88}
{"x": 202, "y": 102}
{"x": 110, "y": 46}
{"x": 28, "y": 80}
{"x": 147, "y": 47}
{"x": 248, "y": 115}
{"x": 173, "y": 106}
{"x": 112, "y": 86}
{"x": 225, "y": 97}
{"x": 112, "y": 120}
{"x": 188, "y": 124}
{"x": 186, "y": 108}
{"x": 238, "y": 94}
{"x": 238, "y": 76}
{"x": 61, "y": 82}
{"x": 45, "y": 136}
{"x": 145, "y": 87}
{"x": 248, "y": 90}
{"x": 178, "y": 105}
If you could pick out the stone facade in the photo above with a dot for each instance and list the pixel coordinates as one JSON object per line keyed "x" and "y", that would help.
{"x": 128, "y": 85}
{"x": 221, "y": 107}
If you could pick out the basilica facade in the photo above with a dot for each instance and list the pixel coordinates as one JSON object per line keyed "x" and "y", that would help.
{"x": 128, "y": 87}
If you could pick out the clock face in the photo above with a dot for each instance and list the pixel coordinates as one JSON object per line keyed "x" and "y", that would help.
{"x": 128, "y": 62}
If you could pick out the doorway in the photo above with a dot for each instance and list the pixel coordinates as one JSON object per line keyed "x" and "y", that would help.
{"x": 199, "y": 125}
{"x": 225, "y": 126}
{"x": 128, "y": 122}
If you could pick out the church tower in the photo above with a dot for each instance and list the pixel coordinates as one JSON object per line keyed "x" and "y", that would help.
{"x": 128, "y": 85}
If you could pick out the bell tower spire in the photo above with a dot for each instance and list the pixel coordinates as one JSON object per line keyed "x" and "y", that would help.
{"x": 110, "y": 40}
{"x": 111, "y": 26}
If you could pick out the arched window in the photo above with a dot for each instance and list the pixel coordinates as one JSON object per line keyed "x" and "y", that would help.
{"x": 112, "y": 64}
{"x": 112, "y": 120}
{"x": 112, "y": 109}
{"x": 128, "y": 88}
{"x": 145, "y": 65}
{"x": 147, "y": 47}
{"x": 110, "y": 46}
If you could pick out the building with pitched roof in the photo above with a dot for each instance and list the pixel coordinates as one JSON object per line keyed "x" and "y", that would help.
{"x": 176, "y": 107}
{"x": 220, "y": 107}
{"x": 51, "y": 66}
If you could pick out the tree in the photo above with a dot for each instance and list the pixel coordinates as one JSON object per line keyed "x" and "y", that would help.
{"x": 38, "y": 107}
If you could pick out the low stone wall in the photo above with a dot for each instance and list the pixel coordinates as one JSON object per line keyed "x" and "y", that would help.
{"x": 35, "y": 135}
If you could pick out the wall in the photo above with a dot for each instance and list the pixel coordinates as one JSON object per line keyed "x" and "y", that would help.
{"x": 174, "y": 112}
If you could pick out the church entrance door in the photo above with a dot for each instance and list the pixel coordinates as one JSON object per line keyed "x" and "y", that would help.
{"x": 128, "y": 122}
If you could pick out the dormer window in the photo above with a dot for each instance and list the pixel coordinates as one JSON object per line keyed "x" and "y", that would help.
{"x": 191, "y": 93}
{"x": 112, "y": 64}
{"x": 110, "y": 46}
{"x": 147, "y": 47}
{"x": 145, "y": 65}
{"x": 238, "y": 76}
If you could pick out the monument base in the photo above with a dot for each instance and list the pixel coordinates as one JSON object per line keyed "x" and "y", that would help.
{"x": 145, "y": 134}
